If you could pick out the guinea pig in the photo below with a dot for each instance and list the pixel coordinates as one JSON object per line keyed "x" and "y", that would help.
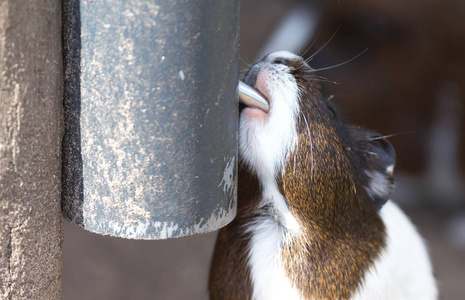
{"x": 314, "y": 220}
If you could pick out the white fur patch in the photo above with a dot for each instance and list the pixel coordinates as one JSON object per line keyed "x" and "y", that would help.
{"x": 379, "y": 185}
{"x": 403, "y": 271}
{"x": 269, "y": 279}
{"x": 390, "y": 169}
{"x": 268, "y": 236}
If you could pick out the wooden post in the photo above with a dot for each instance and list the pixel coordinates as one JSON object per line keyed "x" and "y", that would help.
{"x": 31, "y": 233}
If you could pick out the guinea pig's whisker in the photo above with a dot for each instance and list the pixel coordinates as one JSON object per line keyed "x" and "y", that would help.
{"x": 353, "y": 183}
{"x": 311, "y": 147}
{"x": 390, "y": 135}
{"x": 369, "y": 152}
{"x": 341, "y": 64}
{"x": 295, "y": 152}
{"x": 318, "y": 76}
{"x": 321, "y": 78}
{"x": 322, "y": 46}
{"x": 306, "y": 61}
{"x": 242, "y": 72}
{"x": 245, "y": 62}
{"x": 295, "y": 156}
{"x": 325, "y": 80}
{"x": 311, "y": 45}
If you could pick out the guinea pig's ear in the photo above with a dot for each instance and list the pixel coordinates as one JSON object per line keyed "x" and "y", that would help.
{"x": 380, "y": 180}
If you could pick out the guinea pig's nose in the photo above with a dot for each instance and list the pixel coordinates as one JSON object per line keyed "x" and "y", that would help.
{"x": 281, "y": 61}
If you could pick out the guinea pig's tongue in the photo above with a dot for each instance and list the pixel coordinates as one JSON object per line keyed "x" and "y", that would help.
{"x": 251, "y": 97}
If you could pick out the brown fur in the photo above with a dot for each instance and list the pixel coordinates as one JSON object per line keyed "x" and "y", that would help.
{"x": 344, "y": 233}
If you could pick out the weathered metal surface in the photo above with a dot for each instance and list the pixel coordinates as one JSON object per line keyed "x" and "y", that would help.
{"x": 150, "y": 146}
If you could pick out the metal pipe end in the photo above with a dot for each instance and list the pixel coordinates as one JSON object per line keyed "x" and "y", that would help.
{"x": 250, "y": 97}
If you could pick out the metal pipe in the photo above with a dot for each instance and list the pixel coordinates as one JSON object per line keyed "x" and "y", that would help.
{"x": 150, "y": 99}
{"x": 250, "y": 97}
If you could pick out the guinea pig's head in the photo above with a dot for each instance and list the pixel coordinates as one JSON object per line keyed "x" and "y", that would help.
{"x": 304, "y": 146}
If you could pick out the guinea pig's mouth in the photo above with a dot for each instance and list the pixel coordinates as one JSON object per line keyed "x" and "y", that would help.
{"x": 264, "y": 97}
{"x": 252, "y": 98}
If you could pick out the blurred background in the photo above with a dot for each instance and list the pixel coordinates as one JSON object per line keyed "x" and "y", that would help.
{"x": 410, "y": 83}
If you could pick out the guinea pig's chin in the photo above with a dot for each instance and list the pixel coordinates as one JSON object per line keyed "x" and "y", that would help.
{"x": 254, "y": 113}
